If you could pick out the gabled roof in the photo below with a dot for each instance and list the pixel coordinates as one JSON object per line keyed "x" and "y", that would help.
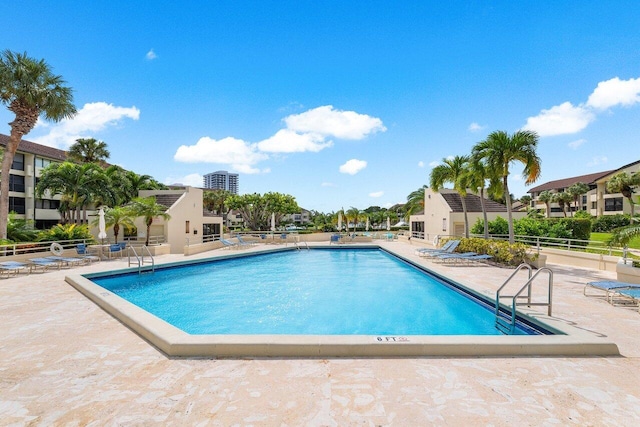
{"x": 167, "y": 200}
{"x": 568, "y": 182}
{"x": 37, "y": 149}
{"x": 473, "y": 202}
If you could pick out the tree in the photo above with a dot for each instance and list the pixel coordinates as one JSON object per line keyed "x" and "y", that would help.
{"x": 576, "y": 190}
{"x": 546, "y": 197}
{"x": 214, "y": 200}
{"x": 477, "y": 176}
{"x": 625, "y": 184}
{"x": 415, "y": 202}
{"x": 148, "y": 208}
{"x": 454, "y": 171}
{"x": 88, "y": 150}
{"x": 525, "y": 200}
{"x": 116, "y": 217}
{"x": 562, "y": 199}
{"x": 500, "y": 150}
{"x": 352, "y": 214}
{"x": 78, "y": 184}
{"x": 256, "y": 209}
{"x": 29, "y": 89}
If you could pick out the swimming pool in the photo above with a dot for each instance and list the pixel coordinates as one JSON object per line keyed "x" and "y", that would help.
{"x": 173, "y": 341}
{"x": 307, "y": 292}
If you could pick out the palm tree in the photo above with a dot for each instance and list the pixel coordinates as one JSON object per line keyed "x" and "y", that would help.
{"x": 499, "y": 150}
{"x": 88, "y": 150}
{"x": 29, "y": 89}
{"x": 456, "y": 172}
{"x": 563, "y": 199}
{"x": 353, "y": 214}
{"x": 625, "y": 184}
{"x": 116, "y": 217}
{"x": 477, "y": 175}
{"x": 576, "y": 190}
{"x": 415, "y": 202}
{"x": 78, "y": 184}
{"x": 147, "y": 208}
{"x": 214, "y": 200}
{"x": 546, "y": 197}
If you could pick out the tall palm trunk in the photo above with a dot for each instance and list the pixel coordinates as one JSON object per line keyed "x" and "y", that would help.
{"x": 484, "y": 214}
{"x": 507, "y": 199}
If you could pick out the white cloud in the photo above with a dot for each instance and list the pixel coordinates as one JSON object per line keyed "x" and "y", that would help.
{"x": 90, "y": 119}
{"x": 327, "y": 184}
{"x": 577, "y": 143}
{"x": 597, "y": 161}
{"x": 231, "y": 151}
{"x": 561, "y": 119}
{"x": 615, "y": 92}
{"x": 353, "y": 166}
{"x": 376, "y": 194}
{"x": 475, "y": 127}
{"x": 420, "y": 164}
{"x": 194, "y": 180}
{"x": 151, "y": 55}
{"x": 288, "y": 141}
{"x": 329, "y": 122}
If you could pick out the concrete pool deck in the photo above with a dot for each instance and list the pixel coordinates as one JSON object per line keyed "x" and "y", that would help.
{"x": 64, "y": 361}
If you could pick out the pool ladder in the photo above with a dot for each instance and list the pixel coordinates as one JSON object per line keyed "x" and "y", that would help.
{"x": 300, "y": 243}
{"x": 505, "y": 321}
{"x": 140, "y": 260}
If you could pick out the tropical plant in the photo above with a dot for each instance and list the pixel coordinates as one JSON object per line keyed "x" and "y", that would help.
{"x": 625, "y": 184}
{"x": 66, "y": 232}
{"x": 455, "y": 171}
{"x": 116, "y": 217}
{"x": 214, "y": 200}
{"x": 500, "y": 150}
{"x": 563, "y": 199}
{"x": 147, "y": 208}
{"x": 415, "y": 202}
{"x": 576, "y": 190}
{"x": 477, "y": 176}
{"x": 29, "y": 89}
{"x": 88, "y": 150}
{"x": 546, "y": 197}
{"x": 20, "y": 230}
{"x": 352, "y": 215}
{"x": 256, "y": 209}
{"x": 622, "y": 236}
{"x": 78, "y": 184}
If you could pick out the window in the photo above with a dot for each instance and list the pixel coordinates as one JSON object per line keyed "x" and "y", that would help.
{"x": 444, "y": 224}
{"x": 613, "y": 204}
{"x": 16, "y": 183}
{"x": 18, "y": 162}
{"x": 186, "y": 227}
{"x": 42, "y": 163}
{"x": 47, "y": 204}
{"x": 584, "y": 199}
{"x": 16, "y": 204}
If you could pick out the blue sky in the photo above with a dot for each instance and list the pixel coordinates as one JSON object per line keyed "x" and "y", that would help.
{"x": 337, "y": 103}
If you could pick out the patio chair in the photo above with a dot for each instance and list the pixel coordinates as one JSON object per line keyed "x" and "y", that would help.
{"x": 115, "y": 250}
{"x": 442, "y": 251}
{"x": 13, "y": 267}
{"x": 335, "y": 238}
{"x": 67, "y": 261}
{"x": 632, "y": 293}
{"x": 228, "y": 244}
{"x": 81, "y": 249}
{"x": 43, "y": 264}
{"x": 243, "y": 242}
{"x": 467, "y": 257}
{"x": 444, "y": 248}
{"x": 609, "y": 287}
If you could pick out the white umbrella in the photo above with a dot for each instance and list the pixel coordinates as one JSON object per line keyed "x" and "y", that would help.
{"x": 339, "y": 221}
{"x": 102, "y": 227}
{"x": 367, "y": 226}
{"x": 273, "y": 222}
{"x": 388, "y": 224}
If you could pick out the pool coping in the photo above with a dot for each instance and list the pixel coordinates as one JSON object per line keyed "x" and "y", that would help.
{"x": 174, "y": 342}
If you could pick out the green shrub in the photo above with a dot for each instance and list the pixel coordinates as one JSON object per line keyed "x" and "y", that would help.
{"x": 607, "y": 223}
{"x": 65, "y": 232}
{"x": 502, "y": 251}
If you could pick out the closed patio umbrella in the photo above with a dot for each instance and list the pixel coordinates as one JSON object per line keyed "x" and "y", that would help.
{"x": 367, "y": 226}
{"x": 388, "y": 224}
{"x": 339, "y": 221}
{"x": 102, "y": 227}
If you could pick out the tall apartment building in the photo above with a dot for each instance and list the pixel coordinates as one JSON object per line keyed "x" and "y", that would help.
{"x": 222, "y": 180}
{"x": 25, "y": 171}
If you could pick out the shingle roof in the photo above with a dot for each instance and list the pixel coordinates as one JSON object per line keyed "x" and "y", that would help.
{"x": 473, "y": 202}
{"x": 568, "y": 182}
{"x": 167, "y": 199}
{"x": 37, "y": 149}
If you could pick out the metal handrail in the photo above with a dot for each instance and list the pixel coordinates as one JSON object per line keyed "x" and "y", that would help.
{"x": 140, "y": 259}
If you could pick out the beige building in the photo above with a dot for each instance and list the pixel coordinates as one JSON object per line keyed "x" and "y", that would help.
{"x": 597, "y": 201}
{"x": 29, "y": 160}
{"x": 443, "y": 214}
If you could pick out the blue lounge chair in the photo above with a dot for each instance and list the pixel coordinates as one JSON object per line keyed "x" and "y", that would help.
{"x": 609, "y": 287}
{"x": 444, "y": 248}
{"x": 13, "y": 267}
{"x": 228, "y": 244}
{"x": 436, "y": 252}
{"x": 115, "y": 250}
{"x": 44, "y": 264}
{"x": 67, "y": 261}
{"x": 81, "y": 249}
{"x": 243, "y": 242}
{"x": 467, "y": 257}
{"x": 632, "y": 293}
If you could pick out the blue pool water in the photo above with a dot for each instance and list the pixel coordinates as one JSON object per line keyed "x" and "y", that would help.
{"x": 307, "y": 292}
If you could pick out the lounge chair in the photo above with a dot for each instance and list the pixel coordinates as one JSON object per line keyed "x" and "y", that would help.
{"x": 13, "y": 267}
{"x": 467, "y": 257}
{"x": 632, "y": 293}
{"x": 228, "y": 244}
{"x": 44, "y": 264}
{"x": 81, "y": 249}
{"x": 444, "y": 248}
{"x": 67, "y": 261}
{"x": 609, "y": 287}
{"x": 442, "y": 251}
{"x": 243, "y": 242}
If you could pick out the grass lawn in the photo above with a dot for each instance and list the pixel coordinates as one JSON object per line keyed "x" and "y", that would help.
{"x": 604, "y": 237}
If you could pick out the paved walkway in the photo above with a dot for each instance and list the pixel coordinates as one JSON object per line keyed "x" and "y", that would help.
{"x": 64, "y": 361}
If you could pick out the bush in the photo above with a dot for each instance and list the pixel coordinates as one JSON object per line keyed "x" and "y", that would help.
{"x": 607, "y": 223}
{"x": 65, "y": 232}
{"x": 502, "y": 251}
